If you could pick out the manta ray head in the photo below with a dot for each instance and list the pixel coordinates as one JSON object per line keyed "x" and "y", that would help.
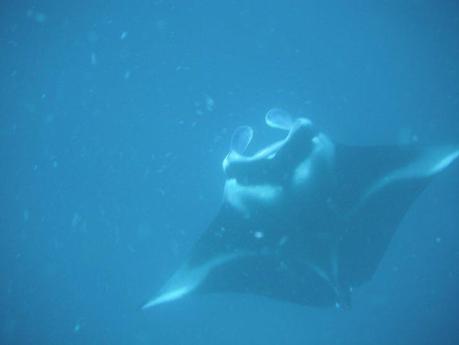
{"x": 300, "y": 162}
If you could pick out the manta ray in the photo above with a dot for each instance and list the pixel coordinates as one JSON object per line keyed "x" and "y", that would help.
{"x": 304, "y": 220}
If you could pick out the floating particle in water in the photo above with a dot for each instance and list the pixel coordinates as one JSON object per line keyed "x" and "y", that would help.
{"x": 39, "y": 17}
{"x": 283, "y": 266}
{"x": 210, "y": 103}
{"x": 144, "y": 231}
{"x": 25, "y": 215}
{"x": 161, "y": 169}
{"x": 283, "y": 240}
{"x": 258, "y": 235}
{"x": 49, "y": 118}
{"x": 406, "y": 136}
{"x": 221, "y": 231}
{"x": 92, "y": 36}
{"x": 161, "y": 25}
{"x": 123, "y": 35}
{"x": 182, "y": 68}
{"x": 337, "y": 305}
{"x": 93, "y": 59}
{"x": 76, "y": 220}
{"x": 76, "y": 328}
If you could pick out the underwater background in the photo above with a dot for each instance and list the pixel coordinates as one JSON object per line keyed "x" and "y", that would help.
{"x": 116, "y": 116}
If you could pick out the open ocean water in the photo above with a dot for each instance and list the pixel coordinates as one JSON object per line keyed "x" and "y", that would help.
{"x": 115, "y": 117}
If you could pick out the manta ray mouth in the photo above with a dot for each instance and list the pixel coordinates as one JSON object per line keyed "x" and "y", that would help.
{"x": 287, "y": 153}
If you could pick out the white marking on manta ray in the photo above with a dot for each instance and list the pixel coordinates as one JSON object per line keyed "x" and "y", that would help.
{"x": 184, "y": 281}
{"x": 241, "y": 138}
{"x": 279, "y": 118}
{"x": 429, "y": 164}
{"x": 241, "y": 196}
{"x": 323, "y": 150}
{"x": 243, "y": 135}
{"x": 268, "y": 152}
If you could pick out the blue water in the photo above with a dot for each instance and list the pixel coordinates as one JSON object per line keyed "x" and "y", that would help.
{"x": 116, "y": 116}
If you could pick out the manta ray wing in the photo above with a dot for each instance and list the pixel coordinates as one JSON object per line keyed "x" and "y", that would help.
{"x": 375, "y": 187}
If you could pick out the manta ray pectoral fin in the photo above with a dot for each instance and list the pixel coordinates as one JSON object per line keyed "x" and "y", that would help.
{"x": 361, "y": 172}
{"x": 428, "y": 163}
{"x": 376, "y": 187}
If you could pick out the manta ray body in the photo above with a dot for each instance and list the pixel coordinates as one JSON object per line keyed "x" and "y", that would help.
{"x": 304, "y": 220}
